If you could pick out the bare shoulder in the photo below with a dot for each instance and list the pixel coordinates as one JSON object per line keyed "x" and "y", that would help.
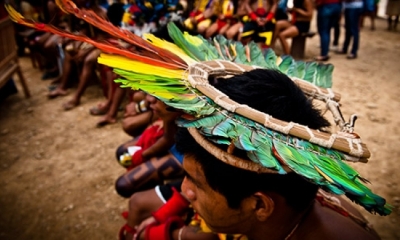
{"x": 323, "y": 222}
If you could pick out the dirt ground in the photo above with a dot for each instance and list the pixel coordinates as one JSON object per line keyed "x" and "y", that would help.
{"x": 57, "y": 170}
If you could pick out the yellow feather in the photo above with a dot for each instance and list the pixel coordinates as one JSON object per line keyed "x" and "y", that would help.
{"x": 130, "y": 65}
{"x": 170, "y": 47}
{"x": 16, "y": 16}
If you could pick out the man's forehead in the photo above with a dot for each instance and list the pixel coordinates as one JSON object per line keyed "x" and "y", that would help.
{"x": 193, "y": 168}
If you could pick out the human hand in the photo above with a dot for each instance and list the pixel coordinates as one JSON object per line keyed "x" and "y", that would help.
{"x": 142, "y": 227}
{"x": 261, "y": 21}
{"x": 130, "y": 109}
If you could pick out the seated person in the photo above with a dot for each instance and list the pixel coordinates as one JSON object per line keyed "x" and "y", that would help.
{"x": 148, "y": 156}
{"x": 80, "y": 55}
{"x": 302, "y": 13}
{"x": 199, "y": 18}
{"x": 114, "y": 94}
{"x": 164, "y": 213}
{"x": 240, "y": 17}
{"x": 261, "y": 24}
{"x": 225, "y": 18}
{"x": 138, "y": 115}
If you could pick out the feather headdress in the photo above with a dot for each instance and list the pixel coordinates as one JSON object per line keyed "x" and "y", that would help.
{"x": 177, "y": 74}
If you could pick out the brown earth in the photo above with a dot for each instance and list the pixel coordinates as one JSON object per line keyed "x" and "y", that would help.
{"x": 57, "y": 170}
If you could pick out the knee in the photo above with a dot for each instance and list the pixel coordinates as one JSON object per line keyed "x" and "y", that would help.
{"x": 135, "y": 204}
{"x": 230, "y": 34}
{"x": 120, "y": 151}
{"x": 123, "y": 187}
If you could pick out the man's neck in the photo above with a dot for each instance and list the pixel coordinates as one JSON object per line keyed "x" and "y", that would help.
{"x": 281, "y": 225}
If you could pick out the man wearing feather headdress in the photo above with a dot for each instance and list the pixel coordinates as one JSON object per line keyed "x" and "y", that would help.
{"x": 260, "y": 205}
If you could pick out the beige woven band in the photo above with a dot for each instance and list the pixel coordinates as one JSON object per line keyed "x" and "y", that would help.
{"x": 348, "y": 143}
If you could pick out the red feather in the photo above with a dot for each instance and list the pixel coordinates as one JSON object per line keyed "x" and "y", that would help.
{"x": 105, "y": 47}
{"x": 95, "y": 20}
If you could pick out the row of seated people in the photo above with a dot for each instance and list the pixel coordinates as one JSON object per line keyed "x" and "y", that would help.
{"x": 261, "y": 21}
{"x": 243, "y": 20}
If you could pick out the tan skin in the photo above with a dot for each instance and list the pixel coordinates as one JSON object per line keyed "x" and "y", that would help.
{"x": 115, "y": 95}
{"x": 164, "y": 143}
{"x": 251, "y": 6}
{"x": 284, "y": 29}
{"x": 266, "y": 213}
{"x": 85, "y": 57}
{"x": 214, "y": 27}
{"x": 209, "y": 12}
{"x": 156, "y": 166}
{"x": 142, "y": 204}
{"x": 234, "y": 29}
{"x": 134, "y": 122}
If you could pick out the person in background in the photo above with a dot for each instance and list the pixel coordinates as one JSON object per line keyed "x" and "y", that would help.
{"x": 261, "y": 25}
{"x": 393, "y": 13}
{"x": 352, "y": 13}
{"x": 302, "y": 13}
{"x": 328, "y": 14}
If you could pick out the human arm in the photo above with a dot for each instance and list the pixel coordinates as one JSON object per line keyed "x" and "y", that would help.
{"x": 305, "y": 13}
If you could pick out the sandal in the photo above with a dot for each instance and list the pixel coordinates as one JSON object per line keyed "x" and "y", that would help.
{"x": 69, "y": 105}
{"x": 97, "y": 111}
{"x": 322, "y": 58}
{"x": 351, "y": 56}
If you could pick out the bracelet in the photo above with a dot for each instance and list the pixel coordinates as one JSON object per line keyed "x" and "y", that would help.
{"x": 142, "y": 106}
{"x": 137, "y": 108}
{"x": 180, "y": 233}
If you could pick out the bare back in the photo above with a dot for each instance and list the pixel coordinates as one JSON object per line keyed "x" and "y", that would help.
{"x": 323, "y": 222}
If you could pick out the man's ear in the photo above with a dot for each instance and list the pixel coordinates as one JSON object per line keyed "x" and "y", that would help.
{"x": 264, "y": 206}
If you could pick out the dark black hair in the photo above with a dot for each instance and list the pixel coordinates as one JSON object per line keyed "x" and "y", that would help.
{"x": 274, "y": 93}
{"x": 115, "y": 12}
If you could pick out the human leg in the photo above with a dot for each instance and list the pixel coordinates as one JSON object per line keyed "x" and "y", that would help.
{"x": 148, "y": 174}
{"x": 348, "y": 28}
{"x": 61, "y": 88}
{"x": 50, "y": 52}
{"x": 355, "y": 31}
{"x": 396, "y": 22}
{"x": 87, "y": 70}
{"x": 134, "y": 125}
{"x": 211, "y": 30}
{"x": 289, "y": 32}
{"x": 203, "y": 26}
{"x": 279, "y": 26}
{"x": 107, "y": 81}
{"x": 233, "y": 30}
{"x": 336, "y": 34}
{"x": 327, "y": 16}
{"x": 111, "y": 114}
{"x": 224, "y": 29}
{"x": 141, "y": 205}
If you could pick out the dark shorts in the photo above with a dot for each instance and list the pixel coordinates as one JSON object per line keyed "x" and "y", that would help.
{"x": 165, "y": 191}
{"x": 281, "y": 15}
{"x": 259, "y": 33}
{"x": 303, "y": 27}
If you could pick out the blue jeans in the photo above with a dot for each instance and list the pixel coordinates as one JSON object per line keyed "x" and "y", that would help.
{"x": 351, "y": 23}
{"x": 328, "y": 15}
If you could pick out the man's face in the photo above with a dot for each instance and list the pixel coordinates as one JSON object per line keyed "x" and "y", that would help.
{"x": 211, "y": 205}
